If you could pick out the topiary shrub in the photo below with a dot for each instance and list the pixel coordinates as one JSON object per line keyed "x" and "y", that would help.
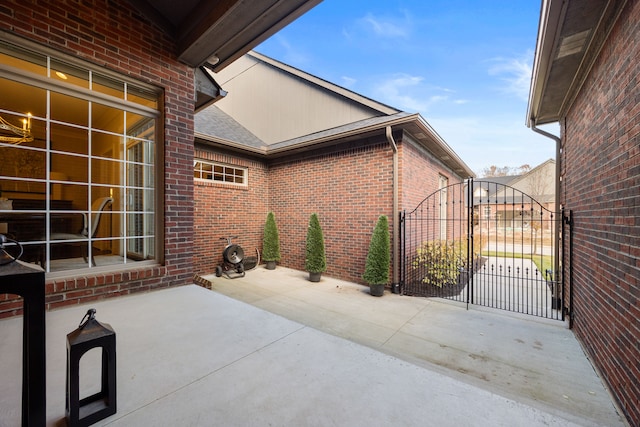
{"x": 271, "y": 240}
{"x": 376, "y": 269}
{"x": 315, "y": 260}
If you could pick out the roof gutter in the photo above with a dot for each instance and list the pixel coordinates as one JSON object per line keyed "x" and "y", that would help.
{"x": 395, "y": 284}
{"x": 346, "y": 134}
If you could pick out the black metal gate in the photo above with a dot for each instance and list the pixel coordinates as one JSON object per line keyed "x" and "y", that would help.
{"x": 485, "y": 243}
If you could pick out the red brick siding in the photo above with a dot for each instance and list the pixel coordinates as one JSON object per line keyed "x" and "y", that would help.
{"x": 348, "y": 191}
{"x": 112, "y": 34}
{"x": 420, "y": 174}
{"x": 420, "y": 178}
{"x": 228, "y": 210}
{"x": 601, "y": 184}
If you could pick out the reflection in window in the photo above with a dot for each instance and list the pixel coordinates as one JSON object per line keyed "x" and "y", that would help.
{"x": 78, "y": 170}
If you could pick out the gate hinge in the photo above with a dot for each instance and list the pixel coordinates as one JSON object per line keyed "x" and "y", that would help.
{"x": 568, "y": 219}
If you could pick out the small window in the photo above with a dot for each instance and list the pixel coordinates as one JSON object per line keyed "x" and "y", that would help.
{"x": 220, "y": 173}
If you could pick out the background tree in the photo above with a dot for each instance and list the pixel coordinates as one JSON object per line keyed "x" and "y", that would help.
{"x": 495, "y": 171}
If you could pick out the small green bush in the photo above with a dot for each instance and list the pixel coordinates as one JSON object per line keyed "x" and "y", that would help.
{"x": 441, "y": 261}
{"x": 376, "y": 269}
{"x": 271, "y": 240}
{"x": 315, "y": 260}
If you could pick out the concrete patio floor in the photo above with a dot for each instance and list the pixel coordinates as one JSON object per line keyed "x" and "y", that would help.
{"x": 302, "y": 354}
{"x": 528, "y": 359}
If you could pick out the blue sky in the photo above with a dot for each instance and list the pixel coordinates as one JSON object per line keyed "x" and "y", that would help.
{"x": 464, "y": 65}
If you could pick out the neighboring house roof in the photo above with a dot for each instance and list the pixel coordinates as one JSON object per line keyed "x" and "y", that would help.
{"x": 290, "y": 111}
{"x": 538, "y": 183}
{"x": 219, "y": 32}
{"x": 505, "y": 180}
{"x": 571, "y": 34}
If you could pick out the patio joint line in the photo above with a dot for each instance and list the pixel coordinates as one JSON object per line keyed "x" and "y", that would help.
{"x": 403, "y": 325}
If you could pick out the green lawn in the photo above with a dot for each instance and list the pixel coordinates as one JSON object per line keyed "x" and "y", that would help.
{"x": 542, "y": 262}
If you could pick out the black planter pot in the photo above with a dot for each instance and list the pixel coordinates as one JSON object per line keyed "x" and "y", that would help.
{"x": 376, "y": 290}
{"x": 314, "y": 277}
{"x": 270, "y": 265}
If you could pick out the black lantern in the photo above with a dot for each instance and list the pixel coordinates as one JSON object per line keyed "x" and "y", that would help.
{"x": 91, "y": 334}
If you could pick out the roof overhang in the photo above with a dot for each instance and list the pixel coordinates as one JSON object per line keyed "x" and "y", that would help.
{"x": 571, "y": 34}
{"x": 220, "y": 31}
{"x": 208, "y": 90}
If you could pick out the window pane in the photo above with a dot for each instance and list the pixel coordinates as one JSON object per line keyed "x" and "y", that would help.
{"x": 22, "y": 162}
{"x": 68, "y": 73}
{"x": 107, "y": 145}
{"x": 107, "y": 85}
{"x": 76, "y": 168}
{"x": 142, "y": 96}
{"x": 22, "y": 99}
{"x": 38, "y": 132}
{"x": 140, "y": 127}
{"x": 69, "y": 138}
{"x": 68, "y": 109}
{"x": 135, "y": 198}
{"x": 22, "y": 58}
{"x": 107, "y": 118}
{"x": 68, "y": 196}
{"x": 25, "y": 226}
{"x": 108, "y": 172}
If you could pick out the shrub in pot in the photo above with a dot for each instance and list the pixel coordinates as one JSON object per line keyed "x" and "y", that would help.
{"x": 271, "y": 242}
{"x": 376, "y": 269}
{"x": 315, "y": 260}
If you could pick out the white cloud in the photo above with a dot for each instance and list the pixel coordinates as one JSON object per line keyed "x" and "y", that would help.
{"x": 399, "y": 91}
{"x": 386, "y": 27}
{"x": 410, "y": 93}
{"x": 515, "y": 73}
{"x": 348, "y": 81}
{"x": 292, "y": 55}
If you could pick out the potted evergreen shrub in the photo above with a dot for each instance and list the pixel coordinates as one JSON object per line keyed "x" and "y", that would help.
{"x": 271, "y": 242}
{"x": 376, "y": 269}
{"x": 315, "y": 261}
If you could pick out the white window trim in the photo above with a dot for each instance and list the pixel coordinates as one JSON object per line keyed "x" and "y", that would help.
{"x": 245, "y": 175}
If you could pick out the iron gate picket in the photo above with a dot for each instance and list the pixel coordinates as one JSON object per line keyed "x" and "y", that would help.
{"x": 484, "y": 243}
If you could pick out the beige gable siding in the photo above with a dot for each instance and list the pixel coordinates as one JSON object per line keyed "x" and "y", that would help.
{"x": 277, "y": 106}
{"x": 539, "y": 183}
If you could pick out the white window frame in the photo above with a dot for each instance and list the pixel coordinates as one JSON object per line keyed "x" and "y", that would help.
{"x": 220, "y": 176}
{"x": 151, "y": 231}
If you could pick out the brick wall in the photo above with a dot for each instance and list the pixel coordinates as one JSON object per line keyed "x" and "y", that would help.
{"x": 601, "y": 184}
{"x": 228, "y": 210}
{"x": 110, "y": 33}
{"x": 420, "y": 173}
{"x": 420, "y": 178}
{"x": 348, "y": 190}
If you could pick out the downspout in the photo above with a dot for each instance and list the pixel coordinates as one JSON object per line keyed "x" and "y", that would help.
{"x": 396, "y": 231}
{"x": 556, "y": 263}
